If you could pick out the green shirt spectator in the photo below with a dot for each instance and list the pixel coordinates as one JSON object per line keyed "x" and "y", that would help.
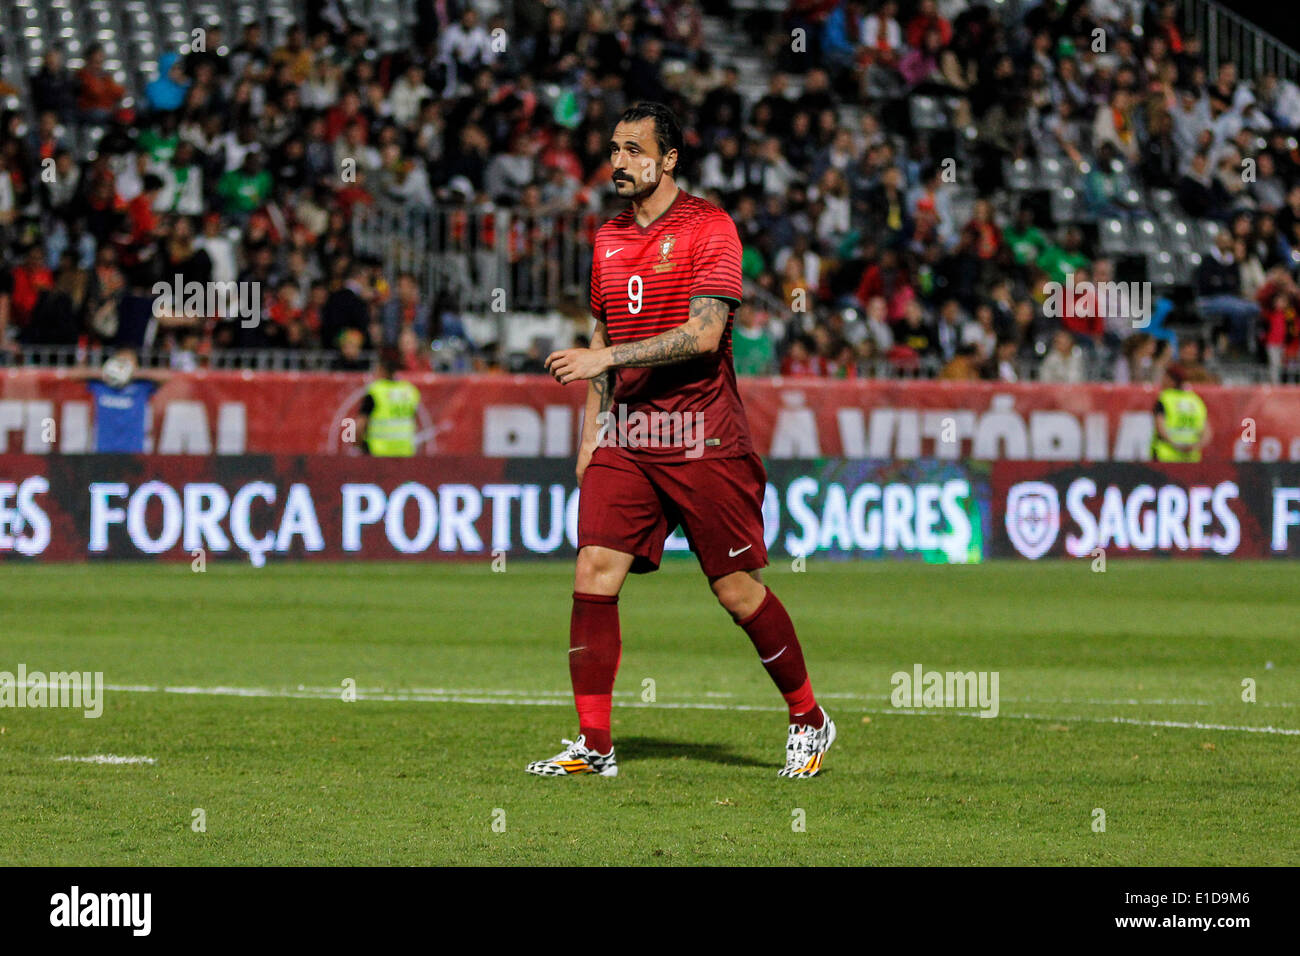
{"x": 752, "y": 350}
{"x": 160, "y": 148}
{"x": 1026, "y": 243}
{"x": 1058, "y": 262}
{"x": 246, "y": 188}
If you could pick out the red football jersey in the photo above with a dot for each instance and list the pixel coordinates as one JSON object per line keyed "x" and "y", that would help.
{"x": 642, "y": 281}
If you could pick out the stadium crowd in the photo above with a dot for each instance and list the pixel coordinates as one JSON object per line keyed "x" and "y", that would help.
{"x": 870, "y": 240}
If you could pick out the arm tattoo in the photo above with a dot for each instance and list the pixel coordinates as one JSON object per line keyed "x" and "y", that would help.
{"x": 675, "y": 345}
{"x": 706, "y": 311}
{"x": 602, "y": 385}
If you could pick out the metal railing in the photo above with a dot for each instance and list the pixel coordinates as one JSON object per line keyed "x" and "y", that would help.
{"x": 1227, "y": 37}
{"x": 483, "y": 259}
{"x": 257, "y": 360}
{"x": 1096, "y": 368}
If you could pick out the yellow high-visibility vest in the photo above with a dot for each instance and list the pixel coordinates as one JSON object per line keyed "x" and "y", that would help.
{"x": 1185, "y": 417}
{"x": 391, "y": 430}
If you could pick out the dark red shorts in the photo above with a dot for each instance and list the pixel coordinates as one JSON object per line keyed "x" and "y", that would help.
{"x": 631, "y": 505}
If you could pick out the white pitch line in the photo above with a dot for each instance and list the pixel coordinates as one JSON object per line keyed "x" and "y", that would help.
{"x": 327, "y": 692}
{"x": 563, "y": 699}
{"x": 107, "y": 758}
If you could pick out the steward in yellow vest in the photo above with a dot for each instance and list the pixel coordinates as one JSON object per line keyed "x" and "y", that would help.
{"x": 388, "y": 414}
{"x": 1182, "y": 423}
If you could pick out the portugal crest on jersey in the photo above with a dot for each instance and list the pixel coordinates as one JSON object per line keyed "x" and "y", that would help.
{"x": 665, "y": 251}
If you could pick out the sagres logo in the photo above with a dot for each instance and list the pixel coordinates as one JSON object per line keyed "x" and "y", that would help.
{"x": 74, "y": 908}
{"x": 1087, "y": 299}
{"x": 1033, "y": 517}
{"x": 79, "y": 690}
{"x": 958, "y": 689}
{"x": 209, "y": 300}
{"x": 638, "y": 429}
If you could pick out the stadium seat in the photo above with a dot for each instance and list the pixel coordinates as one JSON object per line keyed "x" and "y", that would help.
{"x": 1145, "y": 236}
{"x": 1189, "y": 264}
{"x": 1162, "y": 270}
{"x": 1164, "y": 202}
{"x": 1179, "y": 237}
{"x": 1114, "y": 236}
{"x": 1056, "y": 173}
{"x": 926, "y": 113}
{"x": 1019, "y": 175}
{"x": 1067, "y": 205}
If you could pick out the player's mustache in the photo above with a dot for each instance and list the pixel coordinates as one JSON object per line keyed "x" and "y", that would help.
{"x": 622, "y": 178}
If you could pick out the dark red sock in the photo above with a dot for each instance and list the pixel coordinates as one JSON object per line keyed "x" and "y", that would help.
{"x": 595, "y": 648}
{"x": 772, "y": 633}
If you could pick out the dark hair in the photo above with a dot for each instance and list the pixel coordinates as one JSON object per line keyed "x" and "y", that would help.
{"x": 668, "y": 134}
{"x": 388, "y": 361}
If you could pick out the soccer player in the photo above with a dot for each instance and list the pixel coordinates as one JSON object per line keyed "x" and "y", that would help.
{"x": 665, "y": 441}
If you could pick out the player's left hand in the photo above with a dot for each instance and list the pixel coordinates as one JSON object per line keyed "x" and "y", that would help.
{"x": 576, "y": 365}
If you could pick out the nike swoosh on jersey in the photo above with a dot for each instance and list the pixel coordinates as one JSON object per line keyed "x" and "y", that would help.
{"x": 610, "y": 252}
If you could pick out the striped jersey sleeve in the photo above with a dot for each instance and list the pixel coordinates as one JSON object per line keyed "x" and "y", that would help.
{"x": 715, "y": 260}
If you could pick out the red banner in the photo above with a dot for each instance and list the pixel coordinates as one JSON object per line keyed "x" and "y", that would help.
{"x": 518, "y": 416}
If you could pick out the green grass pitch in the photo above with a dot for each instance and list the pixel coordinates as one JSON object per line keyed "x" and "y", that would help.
{"x": 1120, "y": 691}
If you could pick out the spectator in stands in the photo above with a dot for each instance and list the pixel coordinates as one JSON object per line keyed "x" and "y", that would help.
{"x": 881, "y": 35}
{"x": 1106, "y": 186}
{"x": 53, "y": 88}
{"x": 980, "y": 333}
{"x": 144, "y": 224}
{"x": 1219, "y": 294}
{"x": 723, "y": 168}
{"x": 1159, "y": 163}
{"x": 404, "y": 311}
{"x": 963, "y": 366}
{"x": 98, "y": 94}
{"x": 983, "y": 232}
{"x": 166, "y": 93}
{"x": 753, "y": 349}
{"x": 27, "y": 283}
{"x": 1199, "y": 193}
{"x": 1024, "y": 238}
{"x": 246, "y": 188}
{"x": 1136, "y": 363}
{"x": 1059, "y": 261}
{"x": 1115, "y": 125}
{"x": 348, "y": 308}
{"x": 1063, "y": 365}
{"x": 802, "y": 359}
{"x": 1191, "y": 359}
{"x": 1002, "y": 367}
{"x": 350, "y": 356}
{"x": 1249, "y": 266}
{"x": 950, "y": 329}
{"x": 1281, "y": 322}
{"x": 840, "y": 34}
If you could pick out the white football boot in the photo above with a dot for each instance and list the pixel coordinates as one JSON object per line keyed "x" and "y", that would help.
{"x": 805, "y": 746}
{"x": 576, "y": 758}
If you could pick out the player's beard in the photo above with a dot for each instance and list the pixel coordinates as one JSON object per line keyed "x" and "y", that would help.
{"x": 645, "y": 189}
